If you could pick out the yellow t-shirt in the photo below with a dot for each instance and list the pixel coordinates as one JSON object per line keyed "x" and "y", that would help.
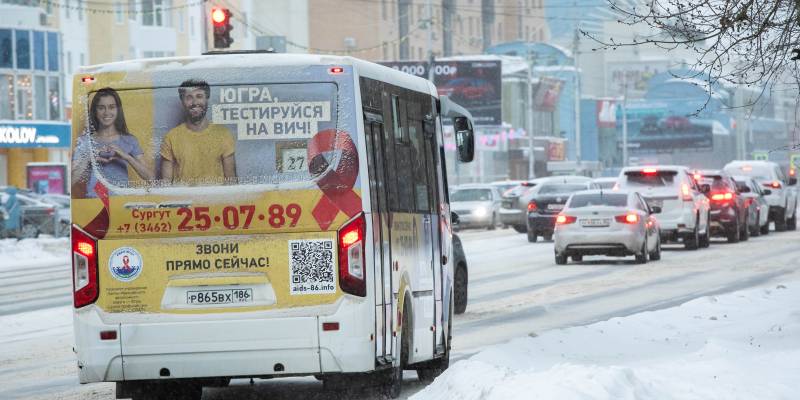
{"x": 198, "y": 155}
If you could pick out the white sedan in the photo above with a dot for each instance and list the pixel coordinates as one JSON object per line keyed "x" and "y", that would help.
{"x": 611, "y": 223}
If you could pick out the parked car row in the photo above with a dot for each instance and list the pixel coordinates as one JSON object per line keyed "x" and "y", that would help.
{"x": 25, "y": 214}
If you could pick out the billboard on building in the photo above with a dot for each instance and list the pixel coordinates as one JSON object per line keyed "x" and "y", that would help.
{"x": 653, "y": 128}
{"x": 47, "y": 178}
{"x": 632, "y": 77}
{"x": 547, "y": 94}
{"x": 474, "y": 84}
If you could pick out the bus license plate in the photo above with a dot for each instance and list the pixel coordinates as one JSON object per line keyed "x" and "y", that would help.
{"x": 224, "y": 296}
{"x": 595, "y": 222}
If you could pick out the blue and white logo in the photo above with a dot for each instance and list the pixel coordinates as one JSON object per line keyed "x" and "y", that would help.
{"x": 125, "y": 264}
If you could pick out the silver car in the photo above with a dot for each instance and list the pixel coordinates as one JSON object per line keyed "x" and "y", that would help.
{"x": 476, "y": 205}
{"x": 783, "y": 190}
{"x": 611, "y": 223}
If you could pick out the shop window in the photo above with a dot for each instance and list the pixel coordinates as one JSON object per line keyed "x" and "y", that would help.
{"x": 52, "y": 51}
{"x": 6, "y": 49}
{"x": 54, "y": 98}
{"x": 23, "y": 39}
{"x": 6, "y": 96}
{"x": 40, "y": 97}
{"x": 24, "y": 97}
{"x": 38, "y": 50}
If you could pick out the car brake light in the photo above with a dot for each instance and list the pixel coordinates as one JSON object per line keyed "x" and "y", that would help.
{"x": 792, "y": 172}
{"x": 776, "y": 185}
{"x": 84, "y": 268}
{"x": 687, "y": 194}
{"x": 727, "y": 196}
{"x": 629, "y": 218}
{"x": 532, "y": 206}
{"x": 352, "y": 271}
{"x": 649, "y": 171}
{"x": 697, "y": 177}
{"x": 562, "y": 219}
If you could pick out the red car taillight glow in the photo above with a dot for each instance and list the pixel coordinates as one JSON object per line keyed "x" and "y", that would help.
{"x": 532, "y": 206}
{"x": 85, "y": 285}
{"x": 562, "y": 219}
{"x": 352, "y": 269}
{"x": 630, "y": 218}
{"x": 726, "y": 196}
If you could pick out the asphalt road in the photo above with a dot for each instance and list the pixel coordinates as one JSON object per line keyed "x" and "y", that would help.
{"x": 515, "y": 290}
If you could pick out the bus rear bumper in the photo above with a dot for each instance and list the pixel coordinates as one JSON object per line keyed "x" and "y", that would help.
{"x": 274, "y": 346}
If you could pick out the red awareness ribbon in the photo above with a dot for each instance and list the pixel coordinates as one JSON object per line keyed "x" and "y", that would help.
{"x": 336, "y": 184}
{"x": 98, "y": 227}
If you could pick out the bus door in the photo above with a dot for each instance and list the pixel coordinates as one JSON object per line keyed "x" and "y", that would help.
{"x": 442, "y": 216}
{"x": 373, "y": 128}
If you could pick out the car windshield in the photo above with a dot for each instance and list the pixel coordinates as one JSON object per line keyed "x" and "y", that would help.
{"x": 757, "y": 172}
{"x": 561, "y": 188}
{"x": 598, "y": 199}
{"x": 715, "y": 182}
{"x": 471, "y": 195}
{"x": 662, "y": 179}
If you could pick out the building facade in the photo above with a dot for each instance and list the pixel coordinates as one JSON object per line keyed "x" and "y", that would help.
{"x": 32, "y": 82}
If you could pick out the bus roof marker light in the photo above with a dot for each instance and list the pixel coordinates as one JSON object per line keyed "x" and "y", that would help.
{"x": 87, "y": 79}
{"x": 336, "y": 70}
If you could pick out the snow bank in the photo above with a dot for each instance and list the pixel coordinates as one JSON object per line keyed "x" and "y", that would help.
{"x": 743, "y": 345}
{"x": 26, "y": 253}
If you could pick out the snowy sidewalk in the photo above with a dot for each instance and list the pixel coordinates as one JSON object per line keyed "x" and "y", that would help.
{"x": 742, "y": 345}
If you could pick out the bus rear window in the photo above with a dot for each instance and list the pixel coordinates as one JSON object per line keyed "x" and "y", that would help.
{"x": 197, "y": 134}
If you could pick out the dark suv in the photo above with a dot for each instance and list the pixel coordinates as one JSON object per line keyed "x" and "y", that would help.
{"x": 546, "y": 202}
{"x": 729, "y": 216}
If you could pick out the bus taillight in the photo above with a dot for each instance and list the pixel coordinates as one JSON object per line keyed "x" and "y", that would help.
{"x": 352, "y": 271}
{"x": 84, "y": 268}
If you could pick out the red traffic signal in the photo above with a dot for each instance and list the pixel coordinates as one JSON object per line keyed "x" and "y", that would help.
{"x": 221, "y": 19}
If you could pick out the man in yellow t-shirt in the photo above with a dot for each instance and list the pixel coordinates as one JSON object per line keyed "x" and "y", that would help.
{"x": 197, "y": 151}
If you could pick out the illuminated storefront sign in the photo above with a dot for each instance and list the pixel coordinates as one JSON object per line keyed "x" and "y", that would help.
{"x": 34, "y": 134}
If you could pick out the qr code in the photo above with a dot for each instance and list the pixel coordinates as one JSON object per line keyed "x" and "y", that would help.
{"x": 311, "y": 267}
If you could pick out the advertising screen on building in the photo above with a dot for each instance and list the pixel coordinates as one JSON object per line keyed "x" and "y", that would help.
{"x": 474, "y": 84}
{"x": 47, "y": 178}
{"x": 547, "y": 94}
{"x": 654, "y": 129}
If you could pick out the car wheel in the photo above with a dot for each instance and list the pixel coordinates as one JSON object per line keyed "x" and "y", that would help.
{"x": 561, "y": 259}
{"x": 692, "y": 240}
{"x": 641, "y": 258}
{"x": 780, "y": 221}
{"x": 656, "y": 254}
{"x": 744, "y": 235}
{"x": 577, "y": 258}
{"x": 460, "y": 289}
{"x": 757, "y": 230}
{"x": 28, "y": 231}
{"x": 493, "y": 224}
{"x": 548, "y": 236}
{"x": 791, "y": 224}
{"x": 520, "y": 228}
{"x": 532, "y": 236}
{"x": 734, "y": 234}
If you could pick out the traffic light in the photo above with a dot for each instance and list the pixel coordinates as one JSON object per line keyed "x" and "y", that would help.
{"x": 221, "y": 19}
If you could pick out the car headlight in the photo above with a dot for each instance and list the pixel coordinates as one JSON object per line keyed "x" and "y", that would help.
{"x": 480, "y": 212}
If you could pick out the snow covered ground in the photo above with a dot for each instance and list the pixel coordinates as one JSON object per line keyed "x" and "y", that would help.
{"x": 742, "y": 345}
{"x": 690, "y": 326}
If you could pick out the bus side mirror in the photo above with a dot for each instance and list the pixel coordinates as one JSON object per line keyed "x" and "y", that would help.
{"x": 465, "y": 139}
{"x": 454, "y": 219}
